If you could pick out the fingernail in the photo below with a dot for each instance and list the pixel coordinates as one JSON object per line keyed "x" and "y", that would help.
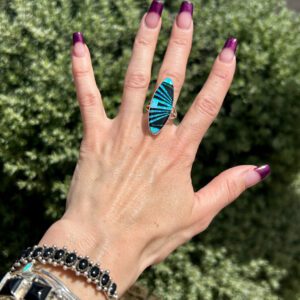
{"x": 257, "y": 174}
{"x": 78, "y": 44}
{"x": 154, "y": 13}
{"x": 229, "y": 50}
{"x": 185, "y": 15}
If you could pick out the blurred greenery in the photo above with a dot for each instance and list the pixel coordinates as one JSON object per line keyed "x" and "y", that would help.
{"x": 252, "y": 249}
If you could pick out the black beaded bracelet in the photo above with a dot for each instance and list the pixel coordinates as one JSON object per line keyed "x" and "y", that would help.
{"x": 82, "y": 266}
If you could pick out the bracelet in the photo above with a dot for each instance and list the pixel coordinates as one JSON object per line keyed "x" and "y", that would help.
{"x": 33, "y": 283}
{"x": 82, "y": 266}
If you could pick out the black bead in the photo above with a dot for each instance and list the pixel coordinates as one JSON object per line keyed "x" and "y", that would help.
{"x": 94, "y": 272}
{"x": 82, "y": 265}
{"x": 26, "y": 252}
{"x": 71, "y": 259}
{"x": 59, "y": 254}
{"x": 10, "y": 286}
{"x": 112, "y": 288}
{"x": 105, "y": 279}
{"x": 48, "y": 252}
{"x": 37, "y": 291}
{"x": 37, "y": 252}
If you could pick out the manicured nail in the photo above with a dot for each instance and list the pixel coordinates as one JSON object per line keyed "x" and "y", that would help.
{"x": 229, "y": 50}
{"x": 185, "y": 15}
{"x": 154, "y": 13}
{"x": 78, "y": 44}
{"x": 257, "y": 174}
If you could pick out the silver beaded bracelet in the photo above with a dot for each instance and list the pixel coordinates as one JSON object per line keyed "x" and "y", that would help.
{"x": 82, "y": 266}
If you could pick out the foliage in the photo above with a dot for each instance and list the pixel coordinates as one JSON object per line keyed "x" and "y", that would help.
{"x": 250, "y": 251}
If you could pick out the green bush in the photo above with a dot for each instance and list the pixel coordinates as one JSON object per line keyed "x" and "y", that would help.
{"x": 251, "y": 249}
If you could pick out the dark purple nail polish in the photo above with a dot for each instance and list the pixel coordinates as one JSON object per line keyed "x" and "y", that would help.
{"x": 186, "y": 6}
{"x": 231, "y": 43}
{"x": 78, "y": 37}
{"x": 263, "y": 171}
{"x": 156, "y": 7}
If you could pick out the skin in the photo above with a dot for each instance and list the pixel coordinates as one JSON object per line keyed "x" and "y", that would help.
{"x": 131, "y": 201}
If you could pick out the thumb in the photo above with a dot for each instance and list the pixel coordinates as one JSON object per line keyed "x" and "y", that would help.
{"x": 225, "y": 188}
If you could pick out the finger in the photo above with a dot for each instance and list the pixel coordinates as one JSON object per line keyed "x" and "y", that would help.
{"x": 222, "y": 191}
{"x": 208, "y": 102}
{"x": 138, "y": 74}
{"x": 89, "y": 98}
{"x": 179, "y": 47}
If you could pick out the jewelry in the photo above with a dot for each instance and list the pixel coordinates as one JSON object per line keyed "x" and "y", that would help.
{"x": 33, "y": 283}
{"x": 161, "y": 106}
{"x": 82, "y": 266}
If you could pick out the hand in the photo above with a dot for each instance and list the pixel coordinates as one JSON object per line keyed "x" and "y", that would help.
{"x": 131, "y": 201}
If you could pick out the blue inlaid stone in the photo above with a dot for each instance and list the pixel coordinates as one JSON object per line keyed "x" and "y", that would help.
{"x": 27, "y": 267}
{"x": 161, "y": 106}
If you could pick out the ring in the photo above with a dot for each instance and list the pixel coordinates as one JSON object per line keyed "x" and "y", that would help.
{"x": 161, "y": 108}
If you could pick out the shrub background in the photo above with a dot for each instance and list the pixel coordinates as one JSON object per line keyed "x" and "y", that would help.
{"x": 251, "y": 250}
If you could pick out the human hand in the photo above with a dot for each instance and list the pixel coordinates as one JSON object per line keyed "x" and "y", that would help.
{"x": 131, "y": 201}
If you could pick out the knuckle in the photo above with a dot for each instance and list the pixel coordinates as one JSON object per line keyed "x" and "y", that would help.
{"x": 180, "y": 41}
{"x": 177, "y": 77}
{"x": 221, "y": 73}
{"x": 89, "y": 99}
{"x": 184, "y": 154}
{"x": 232, "y": 188}
{"x": 137, "y": 80}
{"x": 207, "y": 105}
{"x": 141, "y": 41}
{"x": 81, "y": 71}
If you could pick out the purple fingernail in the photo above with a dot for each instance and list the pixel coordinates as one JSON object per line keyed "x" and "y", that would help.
{"x": 78, "y": 37}
{"x": 156, "y": 7}
{"x": 231, "y": 43}
{"x": 263, "y": 171}
{"x": 186, "y": 6}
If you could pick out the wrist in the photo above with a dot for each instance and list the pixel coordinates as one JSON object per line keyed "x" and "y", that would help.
{"x": 116, "y": 254}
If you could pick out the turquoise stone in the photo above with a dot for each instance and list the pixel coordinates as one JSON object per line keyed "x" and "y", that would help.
{"x": 27, "y": 267}
{"x": 161, "y": 106}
